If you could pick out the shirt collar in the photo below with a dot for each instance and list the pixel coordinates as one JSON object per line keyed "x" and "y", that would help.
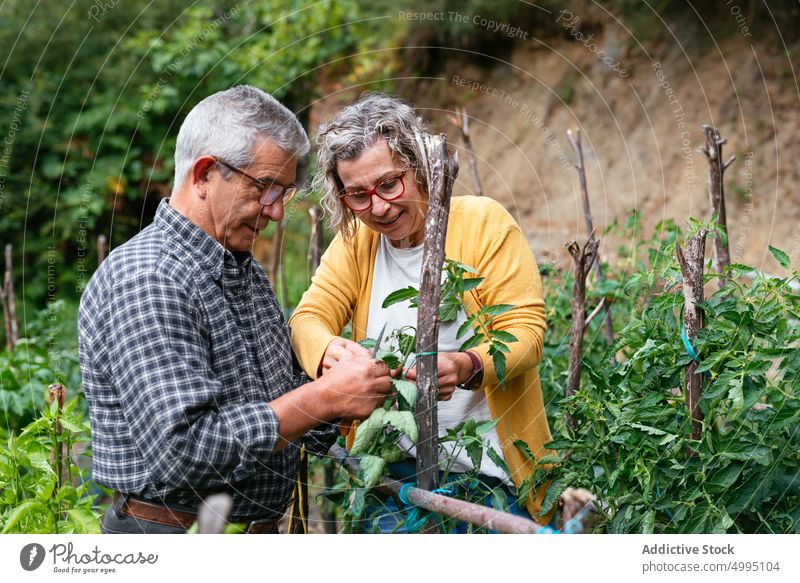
{"x": 198, "y": 244}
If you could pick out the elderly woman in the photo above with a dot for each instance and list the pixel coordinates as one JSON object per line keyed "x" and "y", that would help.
{"x": 376, "y": 196}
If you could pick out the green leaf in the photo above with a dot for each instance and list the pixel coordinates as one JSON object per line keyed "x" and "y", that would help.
{"x": 498, "y": 461}
{"x": 486, "y": 426}
{"x": 464, "y": 328}
{"x": 399, "y": 296}
{"x": 724, "y": 478}
{"x": 472, "y": 283}
{"x": 549, "y": 459}
{"x": 498, "y": 309}
{"x": 647, "y": 429}
{"x": 502, "y": 336}
{"x": 555, "y": 490}
{"x": 780, "y": 257}
{"x": 648, "y": 522}
{"x": 525, "y": 449}
{"x": 407, "y": 390}
{"x": 448, "y": 310}
{"x": 28, "y": 508}
{"x": 499, "y": 499}
{"x": 367, "y": 432}
{"x": 744, "y": 452}
{"x": 474, "y": 447}
{"x": 371, "y": 469}
{"x": 41, "y": 461}
{"x": 73, "y": 424}
{"x": 390, "y": 358}
{"x": 471, "y": 343}
{"x": 735, "y": 395}
{"x": 84, "y": 520}
{"x": 499, "y": 361}
{"x": 404, "y": 422}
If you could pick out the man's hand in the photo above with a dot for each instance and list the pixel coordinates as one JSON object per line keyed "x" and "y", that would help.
{"x": 338, "y": 349}
{"x": 453, "y": 367}
{"x": 356, "y": 385}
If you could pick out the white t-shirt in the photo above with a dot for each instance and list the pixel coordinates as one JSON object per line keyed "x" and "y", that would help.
{"x": 399, "y": 268}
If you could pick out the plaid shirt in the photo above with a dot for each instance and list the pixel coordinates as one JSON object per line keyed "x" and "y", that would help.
{"x": 182, "y": 347}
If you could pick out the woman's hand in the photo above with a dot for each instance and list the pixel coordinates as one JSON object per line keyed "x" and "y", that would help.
{"x": 339, "y": 349}
{"x": 454, "y": 369}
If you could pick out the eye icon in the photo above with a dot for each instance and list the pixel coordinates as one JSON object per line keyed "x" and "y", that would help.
{"x": 31, "y": 556}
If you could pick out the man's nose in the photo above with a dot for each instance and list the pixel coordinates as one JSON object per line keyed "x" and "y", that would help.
{"x": 274, "y": 211}
{"x": 379, "y": 206}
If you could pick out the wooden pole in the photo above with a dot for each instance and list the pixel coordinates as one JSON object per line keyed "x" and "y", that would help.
{"x": 583, "y": 260}
{"x": 577, "y": 148}
{"x": 102, "y": 248}
{"x": 446, "y": 506}
{"x": 691, "y": 263}
{"x": 314, "y": 257}
{"x": 716, "y": 194}
{"x": 461, "y": 121}
{"x": 56, "y": 393}
{"x": 441, "y": 169}
{"x": 317, "y": 239}
{"x": 9, "y": 302}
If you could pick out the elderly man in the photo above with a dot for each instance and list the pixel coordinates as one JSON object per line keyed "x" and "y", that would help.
{"x": 185, "y": 354}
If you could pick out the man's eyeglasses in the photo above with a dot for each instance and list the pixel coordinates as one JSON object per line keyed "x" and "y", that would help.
{"x": 388, "y": 189}
{"x": 270, "y": 191}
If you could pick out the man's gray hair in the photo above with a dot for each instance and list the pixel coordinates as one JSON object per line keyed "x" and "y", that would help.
{"x": 354, "y": 129}
{"x": 227, "y": 124}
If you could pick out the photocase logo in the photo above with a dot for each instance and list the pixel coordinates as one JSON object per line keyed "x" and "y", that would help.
{"x": 31, "y": 556}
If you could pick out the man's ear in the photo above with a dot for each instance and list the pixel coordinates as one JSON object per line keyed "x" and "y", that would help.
{"x": 200, "y": 175}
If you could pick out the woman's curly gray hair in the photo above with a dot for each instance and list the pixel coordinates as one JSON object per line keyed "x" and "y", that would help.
{"x": 354, "y": 129}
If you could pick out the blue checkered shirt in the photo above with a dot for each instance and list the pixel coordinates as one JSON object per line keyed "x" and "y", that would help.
{"x": 182, "y": 346}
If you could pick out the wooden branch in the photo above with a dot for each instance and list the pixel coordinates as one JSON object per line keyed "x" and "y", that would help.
{"x": 9, "y": 302}
{"x": 716, "y": 194}
{"x": 577, "y": 148}
{"x": 441, "y": 169}
{"x": 446, "y": 506}
{"x": 316, "y": 239}
{"x": 277, "y": 276}
{"x": 583, "y": 260}
{"x": 691, "y": 263}
{"x": 461, "y": 121}
{"x": 102, "y": 248}
{"x": 314, "y": 258}
{"x": 56, "y": 393}
{"x": 594, "y": 313}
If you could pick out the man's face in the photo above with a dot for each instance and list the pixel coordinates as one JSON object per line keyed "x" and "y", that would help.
{"x": 236, "y": 215}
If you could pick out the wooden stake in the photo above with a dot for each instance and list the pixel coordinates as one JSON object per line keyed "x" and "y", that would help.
{"x": 102, "y": 248}
{"x": 583, "y": 259}
{"x": 56, "y": 393}
{"x": 577, "y": 148}
{"x": 692, "y": 269}
{"x": 441, "y": 169}
{"x": 461, "y": 121}
{"x": 716, "y": 194}
{"x": 9, "y": 302}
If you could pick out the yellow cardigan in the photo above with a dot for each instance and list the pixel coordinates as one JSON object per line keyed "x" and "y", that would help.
{"x": 483, "y": 235}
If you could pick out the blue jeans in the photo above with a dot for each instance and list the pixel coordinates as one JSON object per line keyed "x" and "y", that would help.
{"x": 385, "y": 517}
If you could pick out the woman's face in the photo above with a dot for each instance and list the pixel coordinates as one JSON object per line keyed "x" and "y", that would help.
{"x": 402, "y": 220}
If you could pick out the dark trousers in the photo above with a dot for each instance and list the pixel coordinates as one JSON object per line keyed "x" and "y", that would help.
{"x": 116, "y": 522}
